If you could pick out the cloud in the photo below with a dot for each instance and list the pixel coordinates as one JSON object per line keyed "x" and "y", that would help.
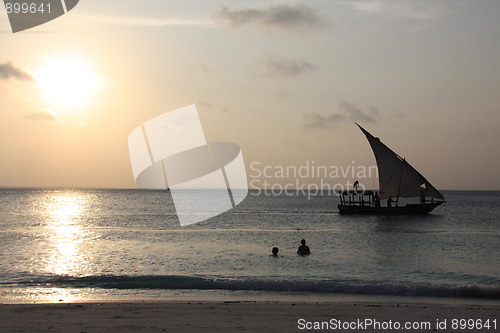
{"x": 315, "y": 120}
{"x": 482, "y": 132}
{"x": 206, "y": 69}
{"x": 406, "y": 9}
{"x": 275, "y": 66}
{"x": 288, "y": 17}
{"x": 214, "y": 107}
{"x": 348, "y": 112}
{"x": 280, "y": 93}
{"x": 84, "y": 19}
{"x": 353, "y": 113}
{"x": 8, "y": 71}
{"x": 42, "y": 115}
{"x": 478, "y": 132}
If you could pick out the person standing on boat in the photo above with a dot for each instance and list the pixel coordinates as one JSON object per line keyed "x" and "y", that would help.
{"x": 376, "y": 200}
{"x": 389, "y": 202}
{"x": 303, "y": 249}
{"x": 422, "y": 197}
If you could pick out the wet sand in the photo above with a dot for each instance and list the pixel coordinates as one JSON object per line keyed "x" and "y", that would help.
{"x": 246, "y": 316}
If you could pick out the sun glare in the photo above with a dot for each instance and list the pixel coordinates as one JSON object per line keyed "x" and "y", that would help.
{"x": 66, "y": 237}
{"x": 67, "y": 83}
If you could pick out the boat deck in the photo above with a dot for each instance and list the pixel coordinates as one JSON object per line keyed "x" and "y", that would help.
{"x": 425, "y": 208}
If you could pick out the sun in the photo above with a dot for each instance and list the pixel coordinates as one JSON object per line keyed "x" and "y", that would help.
{"x": 68, "y": 83}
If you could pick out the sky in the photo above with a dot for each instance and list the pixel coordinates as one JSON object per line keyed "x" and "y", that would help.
{"x": 285, "y": 80}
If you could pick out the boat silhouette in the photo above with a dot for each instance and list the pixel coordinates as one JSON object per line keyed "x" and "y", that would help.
{"x": 397, "y": 179}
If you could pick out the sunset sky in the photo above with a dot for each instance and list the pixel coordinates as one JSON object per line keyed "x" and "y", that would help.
{"x": 285, "y": 80}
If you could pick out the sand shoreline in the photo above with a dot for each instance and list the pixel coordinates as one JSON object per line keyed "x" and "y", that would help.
{"x": 230, "y": 316}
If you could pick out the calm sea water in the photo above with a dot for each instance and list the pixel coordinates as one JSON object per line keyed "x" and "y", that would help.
{"x": 65, "y": 244}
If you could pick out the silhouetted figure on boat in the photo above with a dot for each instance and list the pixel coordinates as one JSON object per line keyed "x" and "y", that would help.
{"x": 303, "y": 249}
{"x": 376, "y": 200}
{"x": 422, "y": 197}
{"x": 389, "y": 202}
{"x": 355, "y": 185}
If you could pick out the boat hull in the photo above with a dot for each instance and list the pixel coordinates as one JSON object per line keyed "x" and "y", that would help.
{"x": 410, "y": 209}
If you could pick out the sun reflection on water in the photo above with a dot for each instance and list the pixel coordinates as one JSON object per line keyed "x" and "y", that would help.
{"x": 67, "y": 235}
{"x": 52, "y": 295}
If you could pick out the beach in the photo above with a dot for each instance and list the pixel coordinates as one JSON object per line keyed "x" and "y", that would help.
{"x": 245, "y": 316}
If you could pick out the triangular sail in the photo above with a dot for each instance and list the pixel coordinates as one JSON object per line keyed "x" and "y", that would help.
{"x": 397, "y": 178}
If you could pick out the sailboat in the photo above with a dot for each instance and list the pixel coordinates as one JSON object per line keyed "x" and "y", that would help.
{"x": 397, "y": 180}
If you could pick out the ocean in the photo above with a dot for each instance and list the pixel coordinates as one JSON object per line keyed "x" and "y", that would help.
{"x": 126, "y": 244}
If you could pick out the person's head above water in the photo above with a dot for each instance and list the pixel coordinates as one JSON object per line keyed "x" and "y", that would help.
{"x": 275, "y": 251}
{"x": 303, "y": 249}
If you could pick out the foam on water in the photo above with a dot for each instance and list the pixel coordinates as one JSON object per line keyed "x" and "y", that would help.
{"x": 176, "y": 282}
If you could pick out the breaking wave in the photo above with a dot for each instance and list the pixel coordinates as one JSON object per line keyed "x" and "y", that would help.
{"x": 178, "y": 282}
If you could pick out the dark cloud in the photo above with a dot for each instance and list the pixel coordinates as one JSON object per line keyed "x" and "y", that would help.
{"x": 42, "y": 115}
{"x": 280, "y": 66}
{"x": 8, "y": 71}
{"x": 298, "y": 17}
{"x": 348, "y": 112}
